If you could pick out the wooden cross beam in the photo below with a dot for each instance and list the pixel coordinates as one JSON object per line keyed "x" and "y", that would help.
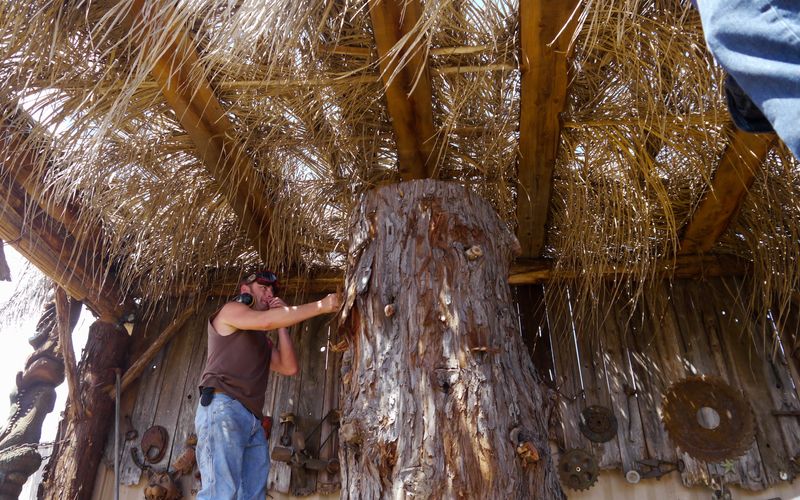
{"x": 734, "y": 176}
{"x": 407, "y": 83}
{"x": 523, "y": 272}
{"x": 181, "y": 78}
{"x": 543, "y": 96}
{"x": 41, "y": 231}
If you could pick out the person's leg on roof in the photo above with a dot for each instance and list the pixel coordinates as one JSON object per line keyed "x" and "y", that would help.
{"x": 758, "y": 43}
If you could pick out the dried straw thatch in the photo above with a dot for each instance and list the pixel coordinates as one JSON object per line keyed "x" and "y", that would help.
{"x": 300, "y": 83}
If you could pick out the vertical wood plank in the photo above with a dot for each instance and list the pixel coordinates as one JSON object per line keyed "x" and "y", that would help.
{"x": 590, "y": 346}
{"x": 534, "y": 330}
{"x": 196, "y": 331}
{"x": 667, "y": 310}
{"x": 144, "y": 409}
{"x": 736, "y": 343}
{"x": 566, "y": 368}
{"x": 286, "y": 399}
{"x": 630, "y": 435}
{"x": 701, "y": 303}
{"x": 172, "y": 381}
{"x": 652, "y": 376}
{"x": 313, "y": 341}
{"x": 330, "y": 483}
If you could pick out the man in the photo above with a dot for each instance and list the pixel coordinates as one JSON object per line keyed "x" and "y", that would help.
{"x": 758, "y": 43}
{"x": 232, "y": 449}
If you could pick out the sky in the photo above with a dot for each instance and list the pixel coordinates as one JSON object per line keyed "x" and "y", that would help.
{"x": 15, "y": 349}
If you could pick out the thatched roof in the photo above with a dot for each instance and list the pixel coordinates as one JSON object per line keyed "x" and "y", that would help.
{"x": 173, "y": 143}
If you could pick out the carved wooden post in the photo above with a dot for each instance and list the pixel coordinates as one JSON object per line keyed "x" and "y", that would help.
{"x": 70, "y": 473}
{"x": 439, "y": 396}
{"x": 34, "y": 398}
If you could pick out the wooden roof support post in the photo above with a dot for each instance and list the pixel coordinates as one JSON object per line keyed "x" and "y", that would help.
{"x": 408, "y": 89}
{"x": 64, "y": 324}
{"x": 544, "y": 42}
{"x": 182, "y": 81}
{"x": 734, "y": 176}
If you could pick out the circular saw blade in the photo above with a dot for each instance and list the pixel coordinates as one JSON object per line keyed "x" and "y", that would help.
{"x": 686, "y": 406}
{"x": 577, "y": 469}
{"x": 598, "y": 423}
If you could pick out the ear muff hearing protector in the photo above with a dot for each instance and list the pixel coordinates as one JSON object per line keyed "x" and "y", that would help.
{"x": 244, "y": 298}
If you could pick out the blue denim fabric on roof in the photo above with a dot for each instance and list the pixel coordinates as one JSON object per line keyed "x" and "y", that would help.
{"x": 232, "y": 451}
{"x": 758, "y": 43}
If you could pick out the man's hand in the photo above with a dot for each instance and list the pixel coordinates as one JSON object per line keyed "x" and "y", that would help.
{"x": 276, "y": 302}
{"x": 332, "y": 302}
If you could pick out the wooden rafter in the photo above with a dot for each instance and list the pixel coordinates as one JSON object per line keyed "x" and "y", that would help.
{"x": 181, "y": 78}
{"x": 525, "y": 272}
{"x": 543, "y": 95}
{"x": 734, "y": 176}
{"x": 407, "y": 89}
{"x": 41, "y": 233}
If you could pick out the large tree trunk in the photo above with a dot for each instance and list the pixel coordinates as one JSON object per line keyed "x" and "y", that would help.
{"x": 71, "y": 471}
{"x": 440, "y": 399}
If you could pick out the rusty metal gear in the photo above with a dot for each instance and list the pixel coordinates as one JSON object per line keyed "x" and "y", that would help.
{"x": 598, "y": 423}
{"x": 708, "y": 419}
{"x": 577, "y": 469}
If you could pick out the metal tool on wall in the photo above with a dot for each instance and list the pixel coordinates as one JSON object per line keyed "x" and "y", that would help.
{"x": 708, "y": 419}
{"x": 578, "y": 469}
{"x": 293, "y": 449}
{"x": 653, "y": 468}
{"x": 598, "y": 423}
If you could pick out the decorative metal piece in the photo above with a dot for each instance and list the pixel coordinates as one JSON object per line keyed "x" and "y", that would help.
{"x": 708, "y": 419}
{"x": 598, "y": 423}
{"x": 578, "y": 469}
{"x": 655, "y": 468}
{"x": 633, "y": 476}
{"x": 154, "y": 443}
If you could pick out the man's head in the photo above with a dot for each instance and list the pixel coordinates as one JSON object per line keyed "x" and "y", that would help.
{"x": 262, "y": 285}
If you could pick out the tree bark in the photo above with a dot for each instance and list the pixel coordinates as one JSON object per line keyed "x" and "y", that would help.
{"x": 439, "y": 395}
{"x": 71, "y": 471}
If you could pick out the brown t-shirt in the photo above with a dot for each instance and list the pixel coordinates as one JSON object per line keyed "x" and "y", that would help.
{"x": 238, "y": 365}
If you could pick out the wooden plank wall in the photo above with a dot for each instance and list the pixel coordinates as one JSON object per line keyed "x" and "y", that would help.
{"x": 167, "y": 396}
{"x": 628, "y": 361}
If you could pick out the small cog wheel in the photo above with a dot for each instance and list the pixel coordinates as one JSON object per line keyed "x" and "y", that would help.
{"x": 577, "y": 469}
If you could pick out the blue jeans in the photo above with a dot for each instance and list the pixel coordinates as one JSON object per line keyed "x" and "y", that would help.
{"x": 232, "y": 451}
{"x": 758, "y": 43}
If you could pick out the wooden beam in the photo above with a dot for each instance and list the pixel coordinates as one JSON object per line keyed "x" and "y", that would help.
{"x": 406, "y": 77}
{"x": 21, "y": 156}
{"x": 46, "y": 242}
{"x": 734, "y": 176}
{"x": 526, "y": 271}
{"x": 542, "y": 98}
{"x": 63, "y": 324}
{"x": 182, "y": 81}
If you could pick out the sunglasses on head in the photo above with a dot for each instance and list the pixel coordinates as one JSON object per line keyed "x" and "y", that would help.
{"x": 262, "y": 278}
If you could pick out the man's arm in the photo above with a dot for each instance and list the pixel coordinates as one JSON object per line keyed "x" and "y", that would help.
{"x": 236, "y": 316}
{"x": 284, "y": 359}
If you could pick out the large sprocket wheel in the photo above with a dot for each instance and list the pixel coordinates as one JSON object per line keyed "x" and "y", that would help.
{"x": 708, "y": 419}
{"x": 577, "y": 469}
